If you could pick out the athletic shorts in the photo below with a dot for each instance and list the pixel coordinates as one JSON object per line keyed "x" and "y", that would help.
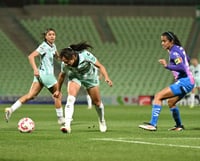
{"x": 47, "y": 80}
{"x": 87, "y": 83}
{"x": 182, "y": 87}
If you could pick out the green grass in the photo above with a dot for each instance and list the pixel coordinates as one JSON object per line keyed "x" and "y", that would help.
{"x": 123, "y": 141}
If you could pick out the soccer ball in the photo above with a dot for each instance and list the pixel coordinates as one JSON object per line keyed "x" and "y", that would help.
{"x": 26, "y": 125}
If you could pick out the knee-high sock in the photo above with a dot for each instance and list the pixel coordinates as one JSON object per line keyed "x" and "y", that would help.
{"x": 16, "y": 105}
{"x": 155, "y": 114}
{"x": 69, "y": 110}
{"x": 192, "y": 98}
{"x": 89, "y": 101}
{"x": 100, "y": 112}
{"x": 59, "y": 112}
{"x": 176, "y": 115}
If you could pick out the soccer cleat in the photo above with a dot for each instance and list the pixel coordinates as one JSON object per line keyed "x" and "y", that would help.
{"x": 61, "y": 120}
{"x": 177, "y": 128}
{"x": 65, "y": 129}
{"x": 102, "y": 126}
{"x": 192, "y": 106}
{"x": 89, "y": 107}
{"x": 8, "y": 112}
{"x": 148, "y": 127}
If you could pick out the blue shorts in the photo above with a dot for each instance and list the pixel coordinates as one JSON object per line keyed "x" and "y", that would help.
{"x": 182, "y": 87}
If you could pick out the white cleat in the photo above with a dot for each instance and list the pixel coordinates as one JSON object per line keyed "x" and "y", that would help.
{"x": 61, "y": 120}
{"x": 148, "y": 127}
{"x": 65, "y": 129}
{"x": 8, "y": 112}
{"x": 102, "y": 126}
{"x": 89, "y": 107}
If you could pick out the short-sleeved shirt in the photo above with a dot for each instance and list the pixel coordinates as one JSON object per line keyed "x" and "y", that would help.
{"x": 86, "y": 73}
{"x": 47, "y": 53}
{"x": 46, "y": 67}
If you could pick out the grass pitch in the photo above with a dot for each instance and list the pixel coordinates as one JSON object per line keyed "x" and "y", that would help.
{"x": 123, "y": 141}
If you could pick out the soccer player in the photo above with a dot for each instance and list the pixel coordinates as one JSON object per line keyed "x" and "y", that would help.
{"x": 184, "y": 82}
{"x": 43, "y": 75}
{"x": 195, "y": 68}
{"x": 81, "y": 67}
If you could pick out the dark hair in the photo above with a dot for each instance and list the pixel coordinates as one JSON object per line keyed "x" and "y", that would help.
{"x": 73, "y": 49}
{"x": 172, "y": 37}
{"x": 46, "y": 31}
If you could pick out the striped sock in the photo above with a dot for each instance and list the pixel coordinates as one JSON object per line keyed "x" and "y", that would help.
{"x": 155, "y": 114}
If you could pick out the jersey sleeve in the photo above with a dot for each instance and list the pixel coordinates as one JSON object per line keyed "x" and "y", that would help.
{"x": 90, "y": 57}
{"x": 41, "y": 49}
{"x": 178, "y": 62}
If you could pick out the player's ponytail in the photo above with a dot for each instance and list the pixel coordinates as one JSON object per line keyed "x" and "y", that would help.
{"x": 80, "y": 46}
{"x": 74, "y": 49}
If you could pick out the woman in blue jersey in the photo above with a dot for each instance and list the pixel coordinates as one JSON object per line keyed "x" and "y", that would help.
{"x": 81, "y": 67}
{"x": 184, "y": 82}
{"x": 43, "y": 75}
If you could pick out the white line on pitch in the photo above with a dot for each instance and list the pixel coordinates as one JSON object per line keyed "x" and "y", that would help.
{"x": 146, "y": 143}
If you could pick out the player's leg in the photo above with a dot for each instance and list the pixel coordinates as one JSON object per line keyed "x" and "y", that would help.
{"x": 175, "y": 113}
{"x": 156, "y": 108}
{"x": 192, "y": 98}
{"x": 33, "y": 92}
{"x": 73, "y": 89}
{"x": 96, "y": 99}
{"x": 89, "y": 101}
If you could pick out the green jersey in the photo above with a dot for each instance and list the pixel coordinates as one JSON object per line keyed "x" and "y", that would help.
{"x": 47, "y": 53}
{"x": 85, "y": 72}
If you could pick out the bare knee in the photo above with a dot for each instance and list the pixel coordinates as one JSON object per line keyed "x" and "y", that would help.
{"x": 157, "y": 99}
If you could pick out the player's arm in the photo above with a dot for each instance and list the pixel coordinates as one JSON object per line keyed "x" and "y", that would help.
{"x": 31, "y": 58}
{"x": 103, "y": 71}
{"x": 61, "y": 78}
{"x": 178, "y": 65}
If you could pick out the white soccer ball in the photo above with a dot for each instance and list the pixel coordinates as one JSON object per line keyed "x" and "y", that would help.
{"x": 26, "y": 125}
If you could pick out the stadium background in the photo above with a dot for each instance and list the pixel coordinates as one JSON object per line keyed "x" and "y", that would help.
{"x": 125, "y": 35}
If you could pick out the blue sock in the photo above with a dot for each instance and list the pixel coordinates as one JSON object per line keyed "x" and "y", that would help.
{"x": 176, "y": 116}
{"x": 155, "y": 114}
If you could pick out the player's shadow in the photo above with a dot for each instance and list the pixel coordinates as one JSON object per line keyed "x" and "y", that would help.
{"x": 194, "y": 128}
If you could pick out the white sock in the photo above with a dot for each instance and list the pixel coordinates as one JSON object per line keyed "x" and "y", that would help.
{"x": 100, "y": 112}
{"x": 89, "y": 100}
{"x": 59, "y": 112}
{"x": 192, "y": 97}
{"x": 69, "y": 110}
{"x": 16, "y": 105}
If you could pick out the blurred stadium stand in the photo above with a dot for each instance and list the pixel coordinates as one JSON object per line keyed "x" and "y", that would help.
{"x": 126, "y": 40}
{"x": 20, "y": 3}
